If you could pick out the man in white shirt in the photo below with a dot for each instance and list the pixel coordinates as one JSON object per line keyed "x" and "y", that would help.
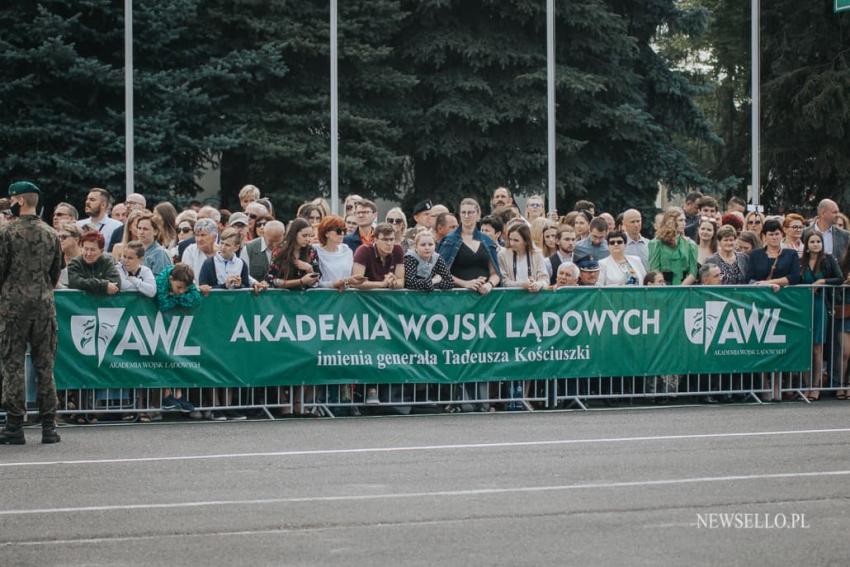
{"x": 97, "y": 204}
{"x": 206, "y": 232}
{"x": 636, "y": 245}
{"x": 835, "y": 240}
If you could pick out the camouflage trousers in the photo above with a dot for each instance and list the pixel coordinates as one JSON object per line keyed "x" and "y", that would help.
{"x": 16, "y": 331}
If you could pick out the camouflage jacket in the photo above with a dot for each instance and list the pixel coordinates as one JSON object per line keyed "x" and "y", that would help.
{"x": 30, "y": 262}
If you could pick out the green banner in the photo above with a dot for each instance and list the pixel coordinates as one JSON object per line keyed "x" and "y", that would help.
{"x": 283, "y": 338}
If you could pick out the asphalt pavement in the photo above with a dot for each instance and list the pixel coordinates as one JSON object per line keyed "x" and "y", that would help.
{"x": 665, "y": 486}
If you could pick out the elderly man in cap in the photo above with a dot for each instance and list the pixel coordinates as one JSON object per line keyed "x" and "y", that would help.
{"x": 30, "y": 262}
{"x": 589, "y": 271}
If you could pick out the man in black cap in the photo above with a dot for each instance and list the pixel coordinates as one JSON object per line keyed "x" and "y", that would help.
{"x": 589, "y": 271}
{"x": 422, "y": 215}
{"x": 30, "y": 260}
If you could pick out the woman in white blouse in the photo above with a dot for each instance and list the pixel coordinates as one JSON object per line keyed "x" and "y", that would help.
{"x": 335, "y": 258}
{"x": 618, "y": 268}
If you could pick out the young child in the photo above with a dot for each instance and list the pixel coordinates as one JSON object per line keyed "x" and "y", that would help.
{"x": 135, "y": 276}
{"x": 654, "y": 278}
{"x": 175, "y": 287}
{"x": 226, "y": 270}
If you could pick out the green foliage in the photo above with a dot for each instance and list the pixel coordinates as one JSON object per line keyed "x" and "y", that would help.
{"x": 805, "y": 106}
{"x": 482, "y": 67}
{"x": 438, "y": 98}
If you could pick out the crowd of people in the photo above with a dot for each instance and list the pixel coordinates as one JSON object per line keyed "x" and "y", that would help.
{"x": 178, "y": 257}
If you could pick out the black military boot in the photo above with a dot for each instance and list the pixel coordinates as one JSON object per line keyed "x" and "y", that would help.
{"x": 13, "y": 432}
{"x": 48, "y": 430}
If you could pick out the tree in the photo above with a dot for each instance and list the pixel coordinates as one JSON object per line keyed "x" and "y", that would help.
{"x": 61, "y": 80}
{"x": 482, "y": 100}
{"x": 287, "y": 123}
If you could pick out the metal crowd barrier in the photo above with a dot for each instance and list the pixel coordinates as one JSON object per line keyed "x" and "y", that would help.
{"x": 484, "y": 396}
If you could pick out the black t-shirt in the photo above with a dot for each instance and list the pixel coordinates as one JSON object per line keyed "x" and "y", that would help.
{"x": 469, "y": 265}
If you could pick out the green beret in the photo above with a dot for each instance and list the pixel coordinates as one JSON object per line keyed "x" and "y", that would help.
{"x": 21, "y": 187}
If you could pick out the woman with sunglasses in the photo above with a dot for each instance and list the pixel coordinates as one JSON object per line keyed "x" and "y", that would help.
{"x": 754, "y": 222}
{"x": 618, "y": 268}
{"x": 69, "y": 241}
{"x": 395, "y": 217}
{"x": 335, "y": 259}
{"x": 794, "y": 225}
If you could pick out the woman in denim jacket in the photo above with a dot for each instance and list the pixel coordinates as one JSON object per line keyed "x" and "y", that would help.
{"x": 472, "y": 257}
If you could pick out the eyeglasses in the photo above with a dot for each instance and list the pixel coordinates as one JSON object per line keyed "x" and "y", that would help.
{"x": 184, "y": 229}
{"x": 253, "y": 216}
{"x": 618, "y": 242}
{"x": 534, "y": 205}
{"x": 468, "y": 213}
{"x": 395, "y": 221}
{"x": 260, "y": 224}
{"x": 339, "y": 231}
{"x": 796, "y": 227}
{"x": 64, "y": 236}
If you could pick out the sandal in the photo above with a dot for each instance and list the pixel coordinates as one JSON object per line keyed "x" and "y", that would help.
{"x": 841, "y": 395}
{"x": 813, "y": 396}
{"x": 144, "y": 418}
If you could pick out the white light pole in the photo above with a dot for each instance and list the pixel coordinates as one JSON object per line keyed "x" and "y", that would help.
{"x": 334, "y": 115}
{"x": 755, "y": 53}
{"x": 129, "y": 157}
{"x": 550, "y": 80}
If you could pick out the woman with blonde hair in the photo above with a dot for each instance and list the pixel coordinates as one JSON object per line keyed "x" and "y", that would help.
{"x": 754, "y": 222}
{"x": 544, "y": 234}
{"x": 130, "y": 232}
{"x": 396, "y": 217}
{"x": 707, "y": 236}
{"x": 671, "y": 253}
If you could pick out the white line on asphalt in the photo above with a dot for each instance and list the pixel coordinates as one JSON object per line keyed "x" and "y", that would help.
{"x": 435, "y": 494}
{"x": 506, "y": 444}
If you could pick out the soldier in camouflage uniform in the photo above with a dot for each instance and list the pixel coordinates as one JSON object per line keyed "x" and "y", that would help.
{"x": 30, "y": 260}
